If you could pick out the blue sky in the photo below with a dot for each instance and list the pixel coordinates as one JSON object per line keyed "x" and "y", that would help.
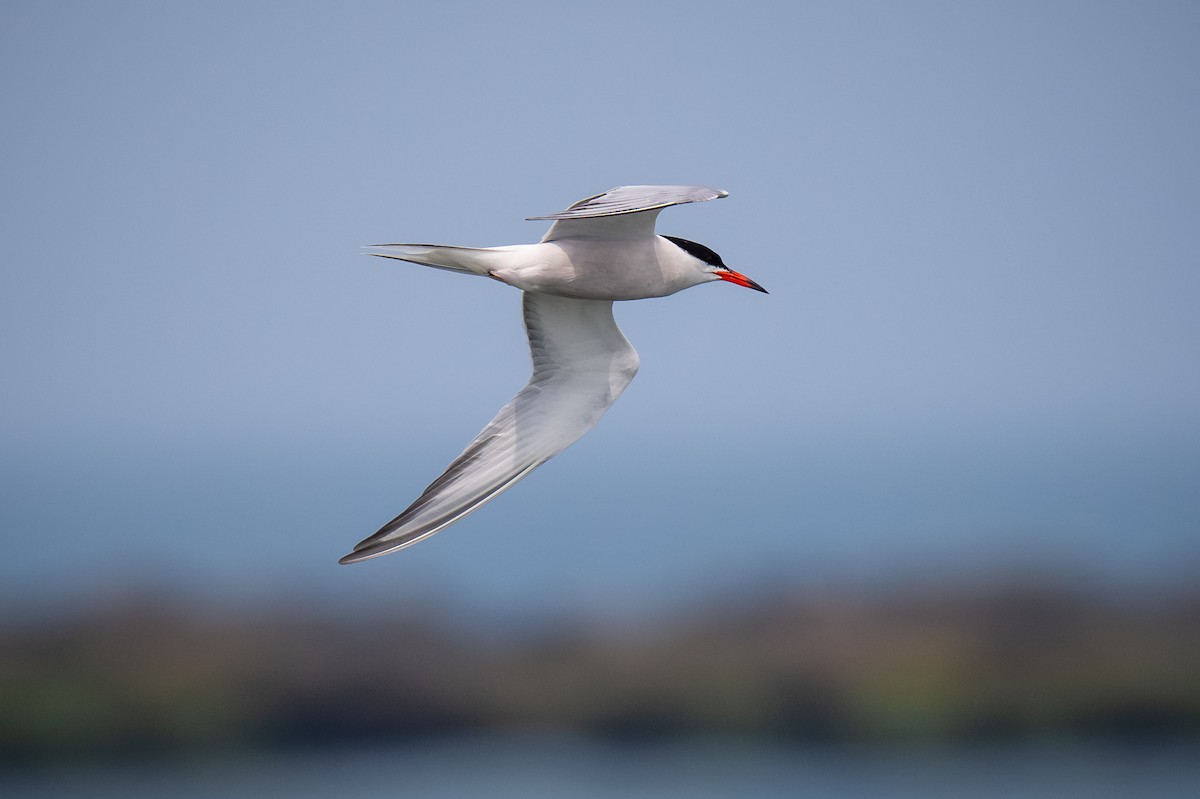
{"x": 977, "y": 223}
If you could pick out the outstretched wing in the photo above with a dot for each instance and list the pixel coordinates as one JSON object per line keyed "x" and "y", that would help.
{"x": 624, "y": 212}
{"x": 581, "y": 364}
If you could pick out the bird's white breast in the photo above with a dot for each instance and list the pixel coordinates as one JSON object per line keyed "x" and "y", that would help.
{"x": 600, "y": 270}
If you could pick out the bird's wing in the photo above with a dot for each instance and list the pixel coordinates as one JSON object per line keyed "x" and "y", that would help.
{"x": 624, "y": 212}
{"x": 581, "y": 364}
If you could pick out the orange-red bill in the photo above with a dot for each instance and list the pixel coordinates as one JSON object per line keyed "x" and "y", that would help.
{"x": 738, "y": 279}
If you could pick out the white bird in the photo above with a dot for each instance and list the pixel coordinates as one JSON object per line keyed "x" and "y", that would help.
{"x": 601, "y": 249}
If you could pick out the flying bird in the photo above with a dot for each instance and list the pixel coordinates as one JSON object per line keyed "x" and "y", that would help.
{"x": 602, "y": 248}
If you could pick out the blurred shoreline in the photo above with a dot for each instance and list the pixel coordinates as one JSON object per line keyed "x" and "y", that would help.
{"x": 153, "y": 675}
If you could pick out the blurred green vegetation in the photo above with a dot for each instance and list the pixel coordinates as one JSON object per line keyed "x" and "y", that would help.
{"x": 155, "y": 676}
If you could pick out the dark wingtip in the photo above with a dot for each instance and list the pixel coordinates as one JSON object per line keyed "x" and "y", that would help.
{"x": 362, "y": 551}
{"x": 371, "y": 548}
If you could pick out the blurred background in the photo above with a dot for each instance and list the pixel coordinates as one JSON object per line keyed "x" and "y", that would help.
{"x": 924, "y": 521}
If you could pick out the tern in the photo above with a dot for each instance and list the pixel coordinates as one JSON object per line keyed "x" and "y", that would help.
{"x": 601, "y": 249}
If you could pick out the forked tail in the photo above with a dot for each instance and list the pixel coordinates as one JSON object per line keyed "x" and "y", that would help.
{"x": 468, "y": 260}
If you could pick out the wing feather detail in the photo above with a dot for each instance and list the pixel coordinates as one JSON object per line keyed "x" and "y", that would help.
{"x": 626, "y": 212}
{"x": 633, "y": 199}
{"x": 581, "y": 365}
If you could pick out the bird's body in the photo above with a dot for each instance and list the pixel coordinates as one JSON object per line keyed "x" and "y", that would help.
{"x": 599, "y": 250}
{"x": 621, "y": 270}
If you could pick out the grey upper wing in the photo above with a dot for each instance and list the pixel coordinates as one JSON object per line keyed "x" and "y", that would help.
{"x": 581, "y": 364}
{"x": 623, "y": 212}
{"x": 632, "y": 199}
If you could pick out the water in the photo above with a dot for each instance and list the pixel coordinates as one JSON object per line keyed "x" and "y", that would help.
{"x": 560, "y": 767}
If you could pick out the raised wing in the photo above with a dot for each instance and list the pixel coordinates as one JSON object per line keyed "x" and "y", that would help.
{"x": 632, "y": 199}
{"x": 624, "y": 212}
{"x": 581, "y": 364}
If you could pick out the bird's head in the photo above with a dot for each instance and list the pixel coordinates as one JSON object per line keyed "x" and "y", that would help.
{"x": 709, "y": 262}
